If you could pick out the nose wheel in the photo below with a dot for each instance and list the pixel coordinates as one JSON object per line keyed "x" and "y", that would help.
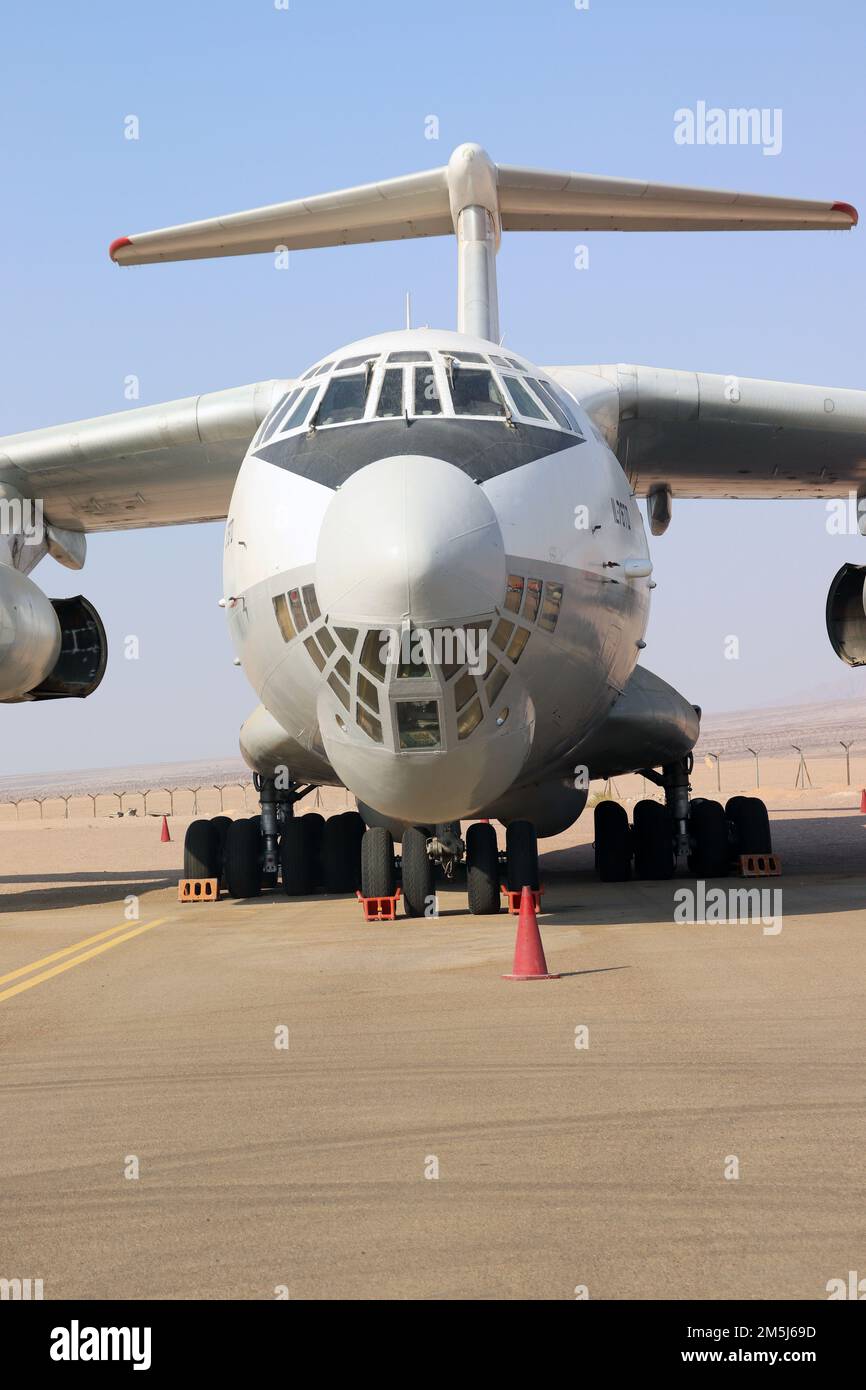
{"x": 482, "y": 869}
{"x": 521, "y": 856}
{"x": 417, "y": 873}
{"x": 378, "y": 869}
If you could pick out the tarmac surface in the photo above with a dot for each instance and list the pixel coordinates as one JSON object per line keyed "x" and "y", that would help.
{"x": 154, "y": 1043}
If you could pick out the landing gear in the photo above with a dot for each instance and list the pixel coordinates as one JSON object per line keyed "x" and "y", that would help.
{"x": 612, "y": 842}
{"x": 652, "y": 837}
{"x": 378, "y": 871}
{"x": 341, "y": 853}
{"x": 220, "y": 825}
{"x": 710, "y": 856}
{"x": 702, "y": 832}
{"x": 202, "y": 856}
{"x": 314, "y": 827}
{"x": 296, "y": 848}
{"x": 243, "y": 859}
{"x": 482, "y": 869}
{"x": 751, "y": 824}
{"x": 521, "y": 856}
{"x": 417, "y": 873}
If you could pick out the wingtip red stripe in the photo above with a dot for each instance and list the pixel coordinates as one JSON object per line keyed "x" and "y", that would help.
{"x": 850, "y": 209}
{"x": 117, "y": 243}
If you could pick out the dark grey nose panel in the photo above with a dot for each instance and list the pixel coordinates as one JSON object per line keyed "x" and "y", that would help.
{"x": 481, "y": 448}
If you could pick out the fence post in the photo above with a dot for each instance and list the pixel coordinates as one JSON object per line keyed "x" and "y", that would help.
{"x": 847, "y": 747}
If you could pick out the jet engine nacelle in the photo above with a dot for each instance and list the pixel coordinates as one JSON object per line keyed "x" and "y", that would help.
{"x": 846, "y": 614}
{"x": 50, "y": 649}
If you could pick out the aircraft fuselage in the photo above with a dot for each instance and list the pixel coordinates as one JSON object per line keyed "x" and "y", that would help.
{"x": 435, "y": 572}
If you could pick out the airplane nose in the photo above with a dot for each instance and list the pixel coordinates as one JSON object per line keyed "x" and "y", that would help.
{"x": 411, "y": 542}
{"x": 410, "y": 537}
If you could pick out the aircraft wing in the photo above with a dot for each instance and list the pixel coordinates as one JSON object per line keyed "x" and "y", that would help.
{"x": 157, "y": 465}
{"x": 707, "y": 435}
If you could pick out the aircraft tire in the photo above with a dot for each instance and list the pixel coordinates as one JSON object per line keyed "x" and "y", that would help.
{"x": 355, "y": 820}
{"x": 296, "y": 843}
{"x": 751, "y": 824}
{"x": 521, "y": 856}
{"x": 339, "y": 849}
{"x": 710, "y": 855}
{"x": 377, "y": 863}
{"x": 333, "y": 853}
{"x": 653, "y": 842}
{"x": 201, "y": 856}
{"x": 242, "y": 859}
{"x": 221, "y": 829}
{"x": 482, "y": 870}
{"x": 612, "y": 842}
{"x": 314, "y": 824}
{"x": 417, "y": 873}
{"x": 354, "y": 835}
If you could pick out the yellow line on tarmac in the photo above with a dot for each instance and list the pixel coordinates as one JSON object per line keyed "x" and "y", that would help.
{"x": 77, "y": 960}
{"x": 67, "y": 951}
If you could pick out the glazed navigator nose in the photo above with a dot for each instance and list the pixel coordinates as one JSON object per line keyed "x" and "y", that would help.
{"x": 410, "y": 537}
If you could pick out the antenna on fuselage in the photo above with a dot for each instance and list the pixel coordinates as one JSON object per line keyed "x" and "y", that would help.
{"x": 408, "y": 309}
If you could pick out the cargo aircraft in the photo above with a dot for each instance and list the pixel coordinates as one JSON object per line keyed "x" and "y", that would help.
{"x": 437, "y": 578}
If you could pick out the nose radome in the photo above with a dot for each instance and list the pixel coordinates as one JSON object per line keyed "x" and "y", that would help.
{"x": 410, "y": 536}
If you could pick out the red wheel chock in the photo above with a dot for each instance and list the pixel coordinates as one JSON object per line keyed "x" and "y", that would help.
{"x": 198, "y": 890}
{"x": 379, "y": 909}
{"x": 760, "y": 865}
{"x": 514, "y": 899}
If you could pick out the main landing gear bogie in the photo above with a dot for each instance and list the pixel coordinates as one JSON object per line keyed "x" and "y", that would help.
{"x": 319, "y": 855}
{"x": 706, "y": 834}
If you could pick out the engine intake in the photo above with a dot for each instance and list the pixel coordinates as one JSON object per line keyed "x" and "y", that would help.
{"x": 83, "y": 652}
{"x": 50, "y": 649}
{"x": 846, "y": 615}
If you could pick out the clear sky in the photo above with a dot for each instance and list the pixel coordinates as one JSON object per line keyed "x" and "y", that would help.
{"x": 241, "y": 103}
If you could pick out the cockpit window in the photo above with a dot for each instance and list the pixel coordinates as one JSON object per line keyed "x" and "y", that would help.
{"x": 279, "y": 413}
{"x": 390, "y": 402}
{"x": 417, "y": 355}
{"x": 513, "y": 362}
{"x": 418, "y": 724}
{"x": 357, "y": 361}
{"x": 552, "y": 404}
{"x": 524, "y": 401}
{"x": 373, "y": 653}
{"x": 344, "y": 400}
{"x": 299, "y": 413}
{"x": 466, "y": 356}
{"x": 558, "y": 395}
{"x": 475, "y": 392}
{"x": 427, "y": 400}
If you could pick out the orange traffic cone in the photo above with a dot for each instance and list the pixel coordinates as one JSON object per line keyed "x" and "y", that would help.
{"x": 863, "y": 801}
{"x": 164, "y": 833}
{"x": 529, "y": 962}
